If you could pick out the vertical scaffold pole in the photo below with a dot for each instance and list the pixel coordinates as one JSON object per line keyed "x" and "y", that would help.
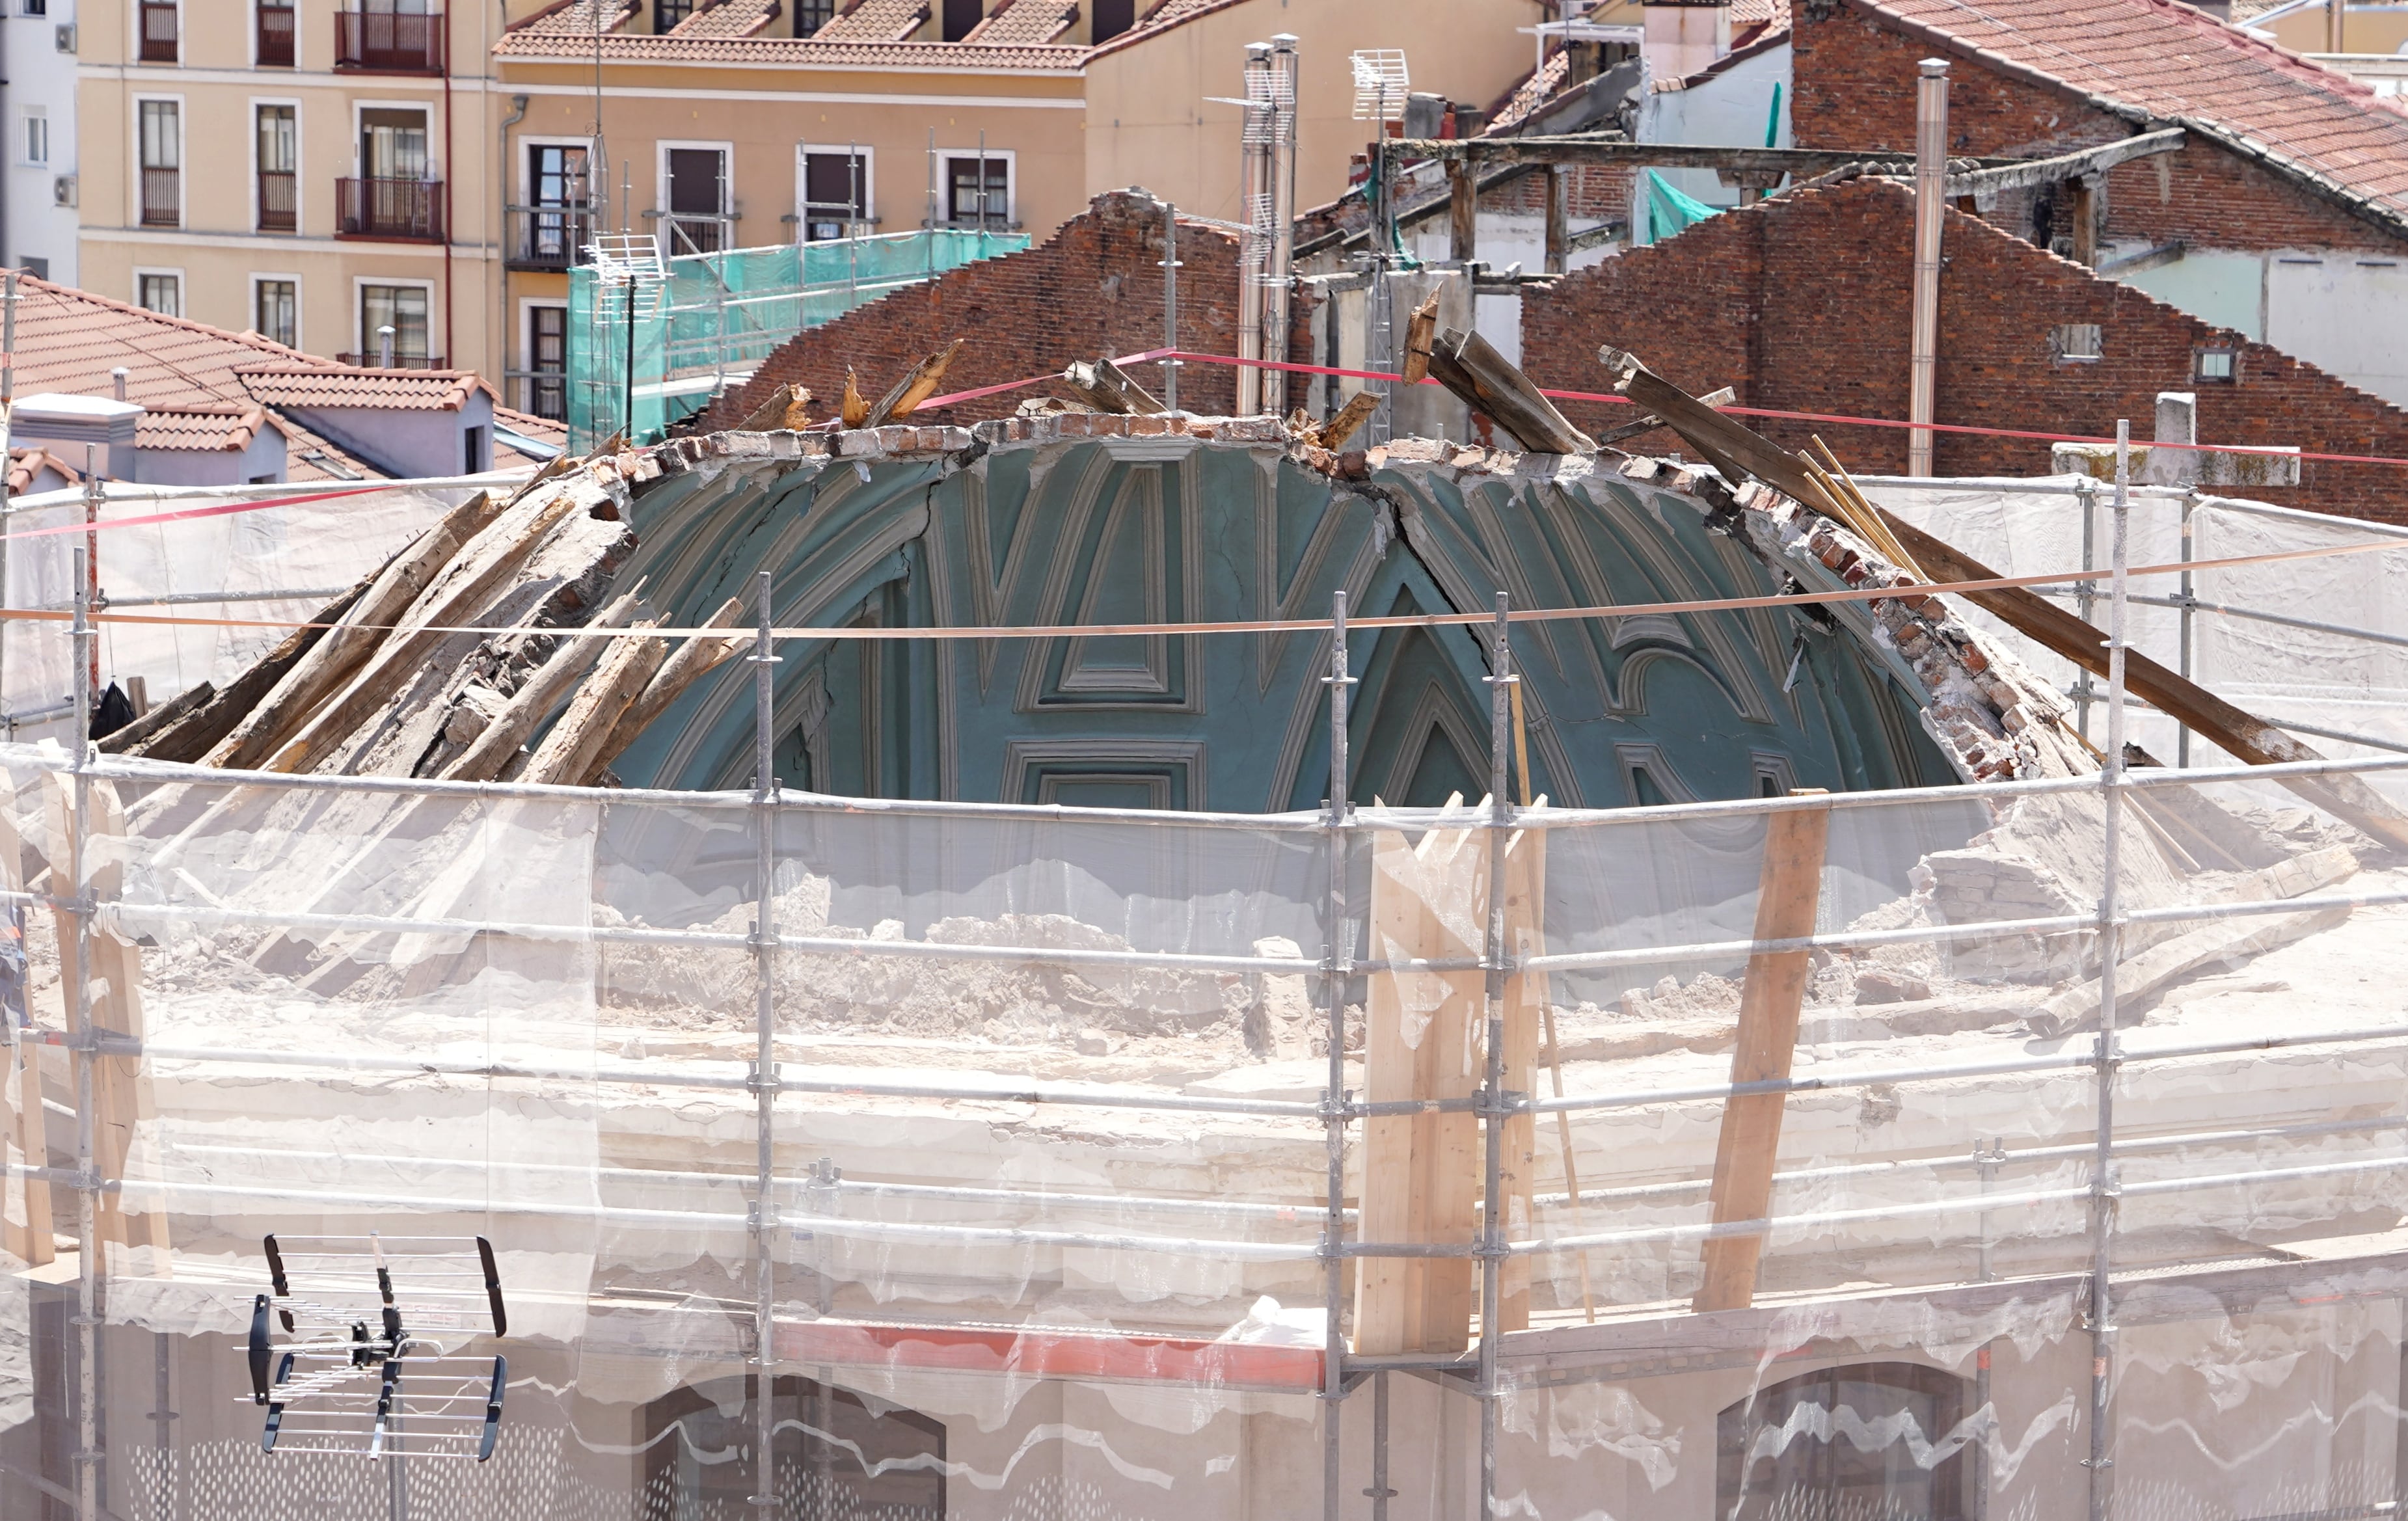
{"x": 1492, "y": 1094}
{"x": 88, "y": 1245}
{"x": 1170, "y": 307}
{"x": 2182, "y": 734}
{"x": 2103, "y": 1186}
{"x": 1337, "y": 964}
{"x": 765, "y": 1066}
{"x": 2085, "y": 599}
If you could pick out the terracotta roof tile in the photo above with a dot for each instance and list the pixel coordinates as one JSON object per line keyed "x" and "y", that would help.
{"x": 1026, "y": 21}
{"x": 729, "y": 19}
{"x": 406, "y": 390}
{"x": 576, "y": 18}
{"x": 789, "y": 53}
{"x": 25, "y": 466}
{"x": 875, "y": 20}
{"x": 2172, "y": 62}
{"x": 1536, "y": 89}
{"x": 212, "y": 429}
{"x": 1747, "y": 13}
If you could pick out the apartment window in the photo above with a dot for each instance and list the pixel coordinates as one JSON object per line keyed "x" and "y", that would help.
{"x": 34, "y": 141}
{"x": 961, "y": 16}
{"x": 810, "y": 15}
{"x": 34, "y": 7}
{"x": 273, "y": 44}
{"x": 2216, "y": 366}
{"x": 280, "y": 164}
{"x": 697, "y": 199}
{"x": 667, "y": 14}
{"x": 161, "y": 128}
{"x": 474, "y": 454}
{"x": 836, "y": 192}
{"x": 401, "y": 307}
{"x": 160, "y": 293}
{"x": 547, "y": 362}
{"x": 157, "y": 21}
{"x": 275, "y": 311}
{"x": 393, "y": 197}
{"x": 1111, "y": 18}
{"x": 979, "y": 192}
{"x": 555, "y": 224}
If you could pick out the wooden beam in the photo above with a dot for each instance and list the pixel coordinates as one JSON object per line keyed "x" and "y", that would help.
{"x": 915, "y": 387}
{"x": 1559, "y": 230}
{"x": 1467, "y": 364}
{"x": 2085, "y": 202}
{"x": 1613, "y": 152}
{"x": 693, "y": 659}
{"x": 193, "y": 736}
{"x": 545, "y": 688}
{"x": 158, "y": 720}
{"x": 32, "y": 1242}
{"x": 1789, "y": 889}
{"x": 1735, "y": 450}
{"x": 2048, "y": 171}
{"x": 1107, "y": 388}
{"x": 1463, "y": 212}
{"x": 1388, "y": 1297}
{"x": 594, "y": 715}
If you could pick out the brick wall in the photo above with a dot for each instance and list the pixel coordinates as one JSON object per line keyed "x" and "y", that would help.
{"x": 1802, "y": 304}
{"x": 1854, "y": 87}
{"x": 1093, "y": 288}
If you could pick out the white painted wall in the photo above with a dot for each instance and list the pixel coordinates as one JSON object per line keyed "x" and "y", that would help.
{"x": 1732, "y": 110}
{"x": 38, "y": 77}
{"x": 2344, "y": 313}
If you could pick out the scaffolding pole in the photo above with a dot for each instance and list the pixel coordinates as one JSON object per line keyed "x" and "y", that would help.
{"x": 1337, "y": 966}
{"x": 1494, "y": 1106}
{"x": 2103, "y": 1185}
{"x": 765, "y": 1066}
{"x": 83, "y": 1047}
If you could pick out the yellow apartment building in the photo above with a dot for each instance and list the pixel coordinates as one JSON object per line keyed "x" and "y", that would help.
{"x": 323, "y": 174}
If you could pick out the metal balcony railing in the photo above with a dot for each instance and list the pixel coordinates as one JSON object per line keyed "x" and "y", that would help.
{"x": 549, "y": 237}
{"x": 280, "y": 200}
{"x": 682, "y": 234}
{"x": 389, "y": 42}
{"x": 162, "y": 197}
{"x": 410, "y": 209}
{"x": 274, "y": 46}
{"x": 158, "y": 22}
{"x": 541, "y": 392}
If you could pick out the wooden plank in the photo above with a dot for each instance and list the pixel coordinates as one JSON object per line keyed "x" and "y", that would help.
{"x": 913, "y": 388}
{"x": 1107, "y": 388}
{"x": 191, "y": 700}
{"x": 30, "y": 1240}
{"x": 483, "y": 568}
{"x": 1463, "y": 212}
{"x": 1349, "y": 418}
{"x": 389, "y": 595}
{"x": 543, "y": 690}
{"x": 1486, "y": 380}
{"x": 695, "y": 658}
{"x": 1735, "y": 451}
{"x": 1450, "y": 1153}
{"x": 1387, "y": 1306}
{"x": 1525, "y": 1017}
{"x": 1787, "y": 894}
{"x": 193, "y": 736}
{"x": 614, "y": 686}
{"x": 1559, "y": 229}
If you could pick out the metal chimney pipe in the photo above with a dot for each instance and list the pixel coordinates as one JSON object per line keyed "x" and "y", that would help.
{"x": 1283, "y": 242}
{"x": 1253, "y": 200}
{"x": 1930, "y": 184}
{"x": 117, "y": 382}
{"x": 384, "y": 346}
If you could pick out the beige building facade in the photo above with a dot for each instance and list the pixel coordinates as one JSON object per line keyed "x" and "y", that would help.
{"x": 322, "y": 175}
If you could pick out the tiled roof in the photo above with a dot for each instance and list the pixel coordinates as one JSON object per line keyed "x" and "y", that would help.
{"x": 789, "y": 53}
{"x": 1026, "y": 21}
{"x": 729, "y": 19}
{"x": 405, "y": 390}
{"x": 25, "y": 466}
{"x": 875, "y": 20}
{"x": 197, "y": 382}
{"x": 1747, "y": 13}
{"x": 2161, "y": 58}
{"x": 577, "y": 18}
{"x": 1536, "y": 88}
{"x": 231, "y": 428}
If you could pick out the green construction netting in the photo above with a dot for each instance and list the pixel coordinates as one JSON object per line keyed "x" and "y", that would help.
{"x": 712, "y": 317}
{"x": 1669, "y": 211}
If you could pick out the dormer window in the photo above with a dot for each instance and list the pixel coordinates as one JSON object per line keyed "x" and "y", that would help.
{"x": 667, "y": 14}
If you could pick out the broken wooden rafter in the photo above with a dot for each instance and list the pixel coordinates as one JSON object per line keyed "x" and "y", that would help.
{"x": 853, "y": 411}
{"x": 1421, "y": 330}
{"x": 1488, "y": 382}
{"x": 187, "y": 739}
{"x": 569, "y": 749}
{"x": 1649, "y": 423}
{"x": 2086, "y": 164}
{"x": 783, "y": 409}
{"x": 1348, "y": 419}
{"x": 913, "y": 388}
{"x": 1735, "y": 450}
{"x": 694, "y": 659}
{"x": 546, "y": 688}
{"x": 1107, "y": 388}
{"x": 158, "y": 719}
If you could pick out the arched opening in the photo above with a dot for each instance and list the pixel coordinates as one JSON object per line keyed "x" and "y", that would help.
{"x": 838, "y": 1454}
{"x": 1866, "y": 1442}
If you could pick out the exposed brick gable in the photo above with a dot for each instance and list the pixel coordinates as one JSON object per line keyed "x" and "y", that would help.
{"x": 1093, "y": 288}
{"x": 1803, "y": 303}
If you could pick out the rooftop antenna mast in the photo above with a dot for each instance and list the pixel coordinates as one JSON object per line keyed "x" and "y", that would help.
{"x": 1382, "y": 83}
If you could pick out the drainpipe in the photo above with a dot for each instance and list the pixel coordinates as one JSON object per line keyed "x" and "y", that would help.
{"x": 1283, "y": 246}
{"x": 1931, "y": 181}
{"x": 502, "y": 188}
{"x": 450, "y": 173}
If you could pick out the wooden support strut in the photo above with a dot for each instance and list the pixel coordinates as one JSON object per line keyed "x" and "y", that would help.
{"x": 1790, "y": 890}
{"x": 1462, "y": 212}
{"x": 32, "y": 1242}
{"x": 1736, "y": 451}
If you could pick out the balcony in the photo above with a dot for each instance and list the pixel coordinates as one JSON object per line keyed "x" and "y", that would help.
{"x": 683, "y": 233}
{"x": 158, "y": 24}
{"x": 549, "y": 237}
{"x": 280, "y": 199}
{"x": 542, "y": 391}
{"x": 162, "y": 197}
{"x": 408, "y": 210}
{"x": 274, "y": 43}
{"x": 389, "y": 42}
{"x": 400, "y": 361}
